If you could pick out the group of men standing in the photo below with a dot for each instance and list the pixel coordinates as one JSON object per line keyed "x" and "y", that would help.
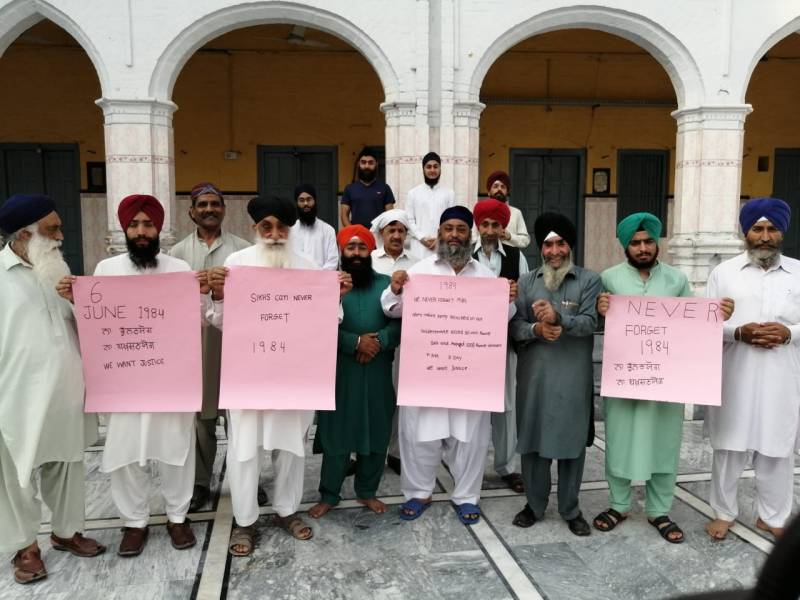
{"x": 554, "y": 311}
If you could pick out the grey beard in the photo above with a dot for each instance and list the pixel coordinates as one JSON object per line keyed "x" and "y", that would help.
{"x": 764, "y": 257}
{"x": 456, "y": 256}
{"x": 553, "y": 278}
{"x": 275, "y": 256}
{"x": 48, "y": 262}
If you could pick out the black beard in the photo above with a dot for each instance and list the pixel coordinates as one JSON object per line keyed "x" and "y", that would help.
{"x": 431, "y": 182}
{"x": 307, "y": 218}
{"x": 143, "y": 257}
{"x": 639, "y": 265}
{"x": 367, "y": 175}
{"x": 500, "y": 196}
{"x": 360, "y": 270}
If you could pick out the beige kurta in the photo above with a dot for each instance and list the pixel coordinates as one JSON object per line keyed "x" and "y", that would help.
{"x": 139, "y": 437}
{"x": 201, "y": 256}
{"x": 41, "y": 380}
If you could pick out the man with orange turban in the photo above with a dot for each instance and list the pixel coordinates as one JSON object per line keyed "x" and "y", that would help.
{"x": 365, "y": 400}
{"x": 504, "y": 260}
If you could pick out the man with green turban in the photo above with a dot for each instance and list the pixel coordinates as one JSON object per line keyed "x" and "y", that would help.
{"x": 643, "y": 438}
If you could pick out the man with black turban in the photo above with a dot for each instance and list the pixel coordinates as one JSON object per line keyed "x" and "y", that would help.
{"x": 428, "y": 432}
{"x": 367, "y": 196}
{"x": 498, "y": 187}
{"x": 311, "y": 236}
{"x": 283, "y": 432}
{"x": 43, "y": 430}
{"x": 760, "y": 410}
{"x": 424, "y": 206}
{"x": 643, "y": 437}
{"x": 554, "y": 327}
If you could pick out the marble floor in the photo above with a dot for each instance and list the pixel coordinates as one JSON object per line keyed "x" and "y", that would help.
{"x": 357, "y": 554}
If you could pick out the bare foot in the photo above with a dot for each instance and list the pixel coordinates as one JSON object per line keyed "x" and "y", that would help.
{"x": 776, "y": 531}
{"x": 373, "y": 504}
{"x": 319, "y": 510}
{"x": 718, "y": 528}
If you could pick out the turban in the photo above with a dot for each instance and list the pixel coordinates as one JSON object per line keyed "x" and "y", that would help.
{"x": 457, "y": 212}
{"x": 368, "y": 151}
{"x": 429, "y": 157}
{"x": 305, "y": 188}
{"x": 389, "y": 216}
{"x": 348, "y": 233}
{"x": 21, "y": 210}
{"x": 551, "y": 222}
{"x": 502, "y": 176}
{"x": 628, "y": 227}
{"x": 262, "y": 207}
{"x": 776, "y": 211}
{"x": 492, "y": 209}
{"x": 133, "y": 205}
{"x": 205, "y": 188}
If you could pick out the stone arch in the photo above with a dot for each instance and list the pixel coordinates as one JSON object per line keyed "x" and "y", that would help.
{"x": 776, "y": 36}
{"x": 20, "y": 15}
{"x": 212, "y": 25}
{"x": 670, "y": 52}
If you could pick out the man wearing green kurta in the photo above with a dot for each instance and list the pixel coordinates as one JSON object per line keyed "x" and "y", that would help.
{"x": 554, "y": 325}
{"x": 365, "y": 400}
{"x": 643, "y": 438}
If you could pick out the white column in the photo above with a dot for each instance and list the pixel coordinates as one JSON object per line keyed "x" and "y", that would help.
{"x": 406, "y": 144}
{"x": 139, "y": 160}
{"x": 460, "y": 138}
{"x": 708, "y": 171}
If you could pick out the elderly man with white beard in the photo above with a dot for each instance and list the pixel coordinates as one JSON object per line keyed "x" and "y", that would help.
{"x": 283, "y": 432}
{"x": 43, "y": 430}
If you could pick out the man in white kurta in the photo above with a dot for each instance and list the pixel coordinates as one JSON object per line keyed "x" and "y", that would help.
{"x": 498, "y": 186}
{"x": 503, "y": 260}
{"x": 43, "y": 430}
{"x": 427, "y": 432}
{"x": 425, "y": 204}
{"x": 390, "y": 229}
{"x": 760, "y": 410}
{"x": 206, "y": 247}
{"x": 135, "y": 439}
{"x": 283, "y": 432}
{"x": 311, "y": 236}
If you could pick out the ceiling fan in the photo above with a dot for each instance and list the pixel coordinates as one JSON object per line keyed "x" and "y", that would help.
{"x": 297, "y": 36}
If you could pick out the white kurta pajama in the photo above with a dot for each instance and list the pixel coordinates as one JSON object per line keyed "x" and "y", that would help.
{"x": 425, "y": 432}
{"x": 424, "y": 207}
{"x": 504, "y": 424}
{"x": 760, "y": 410}
{"x": 42, "y": 424}
{"x": 281, "y": 431}
{"x": 316, "y": 242}
{"x": 135, "y": 439}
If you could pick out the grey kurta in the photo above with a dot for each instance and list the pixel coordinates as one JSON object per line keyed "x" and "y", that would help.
{"x": 201, "y": 256}
{"x": 554, "y": 379}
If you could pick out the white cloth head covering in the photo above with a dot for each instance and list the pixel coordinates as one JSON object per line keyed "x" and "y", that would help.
{"x": 383, "y": 219}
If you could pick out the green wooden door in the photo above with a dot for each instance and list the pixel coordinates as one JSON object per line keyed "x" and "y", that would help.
{"x": 786, "y": 186}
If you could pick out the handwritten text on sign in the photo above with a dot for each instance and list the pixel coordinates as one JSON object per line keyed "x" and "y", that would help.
{"x": 280, "y": 331}
{"x": 454, "y": 342}
{"x": 140, "y": 342}
{"x": 667, "y": 349}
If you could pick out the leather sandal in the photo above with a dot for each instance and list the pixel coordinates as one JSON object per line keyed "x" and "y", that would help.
{"x": 28, "y": 565}
{"x": 181, "y": 535}
{"x": 133, "y": 541}
{"x": 77, "y": 545}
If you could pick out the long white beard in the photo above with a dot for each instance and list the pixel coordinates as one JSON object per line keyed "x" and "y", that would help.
{"x": 275, "y": 254}
{"x": 48, "y": 263}
{"x": 553, "y": 278}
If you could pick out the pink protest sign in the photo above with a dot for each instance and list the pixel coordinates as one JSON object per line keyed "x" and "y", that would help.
{"x": 140, "y": 342}
{"x": 667, "y": 349}
{"x": 454, "y": 342}
{"x": 279, "y": 339}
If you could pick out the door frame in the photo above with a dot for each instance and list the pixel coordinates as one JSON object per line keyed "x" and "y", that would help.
{"x": 580, "y": 153}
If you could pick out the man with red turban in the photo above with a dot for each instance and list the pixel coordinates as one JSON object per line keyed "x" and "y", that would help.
{"x": 365, "y": 400}
{"x": 502, "y": 259}
{"x": 515, "y": 233}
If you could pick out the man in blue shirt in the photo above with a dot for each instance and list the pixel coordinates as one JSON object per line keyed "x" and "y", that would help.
{"x": 367, "y": 196}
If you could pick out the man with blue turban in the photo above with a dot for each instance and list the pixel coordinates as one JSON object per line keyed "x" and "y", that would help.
{"x": 643, "y": 437}
{"x": 760, "y": 412}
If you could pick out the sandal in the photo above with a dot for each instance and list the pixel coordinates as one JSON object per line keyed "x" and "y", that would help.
{"x": 609, "y": 518}
{"x": 468, "y": 514}
{"x": 413, "y": 508}
{"x": 295, "y": 526}
{"x": 666, "y": 526}
{"x": 242, "y": 536}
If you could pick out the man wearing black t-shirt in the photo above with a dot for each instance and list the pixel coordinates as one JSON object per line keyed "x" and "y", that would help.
{"x": 368, "y": 196}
